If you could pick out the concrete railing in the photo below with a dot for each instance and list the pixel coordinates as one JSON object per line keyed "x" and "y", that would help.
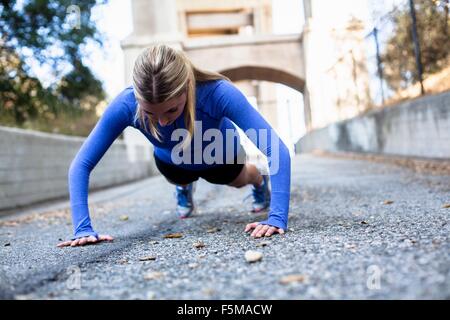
{"x": 34, "y": 166}
{"x": 417, "y": 128}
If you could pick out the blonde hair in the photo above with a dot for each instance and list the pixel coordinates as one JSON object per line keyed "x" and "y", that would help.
{"x": 161, "y": 73}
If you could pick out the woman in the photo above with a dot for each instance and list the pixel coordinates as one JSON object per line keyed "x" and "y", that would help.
{"x": 169, "y": 99}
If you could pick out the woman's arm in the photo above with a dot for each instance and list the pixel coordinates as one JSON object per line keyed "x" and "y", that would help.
{"x": 112, "y": 123}
{"x": 234, "y": 105}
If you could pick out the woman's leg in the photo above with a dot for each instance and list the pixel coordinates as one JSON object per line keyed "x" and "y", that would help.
{"x": 175, "y": 175}
{"x": 260, "y": 190}
{"x": 249, "y": 175}
{"x": 174, "y": 183}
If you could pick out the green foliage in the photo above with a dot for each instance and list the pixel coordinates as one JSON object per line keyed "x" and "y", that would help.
{"x": 45, "y": 31}
{"x": 433, "y": 28}
{"x": 81, "y": 87}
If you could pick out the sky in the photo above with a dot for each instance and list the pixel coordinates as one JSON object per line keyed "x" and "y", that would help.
{"x": 114, "y": 20}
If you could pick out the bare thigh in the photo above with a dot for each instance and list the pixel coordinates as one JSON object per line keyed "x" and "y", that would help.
{"x": 249, "y": 175}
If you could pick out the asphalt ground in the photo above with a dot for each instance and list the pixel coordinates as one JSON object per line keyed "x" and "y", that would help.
{"x": 357, "y": 230}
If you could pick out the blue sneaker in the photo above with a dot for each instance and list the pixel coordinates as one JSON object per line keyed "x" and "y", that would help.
{"x": 185, "y": 204}
{"x": 261, "y": 195}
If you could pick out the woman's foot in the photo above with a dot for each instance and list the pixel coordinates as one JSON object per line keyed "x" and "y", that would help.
{"x": 185, "y": 204}
{"x": 261, "y": 195}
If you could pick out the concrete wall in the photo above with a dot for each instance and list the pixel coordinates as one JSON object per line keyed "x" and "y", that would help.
{"x": 34, "y": 166}
{"x": 419, "y": 128}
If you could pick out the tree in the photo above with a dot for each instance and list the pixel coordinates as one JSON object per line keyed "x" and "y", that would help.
{"x": 81, "y": 87}
{"x": 50, "y": 32}
{"x": 433, "y": 28}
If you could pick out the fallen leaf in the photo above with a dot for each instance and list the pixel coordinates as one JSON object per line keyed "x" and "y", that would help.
{"x": 364, "y": 222}
{"x": 263, "y": 244}
{"x": 148, "y": 258}
{"x": 446, "y": 206}
{"x": 9, "y": 224}
{"x": 213, "y": 230}
{"x": 253, "y": 256}
{"x": 173, "y": 235}
{"x": 7, "y": 244}
{"x": 408, "y": 241}
{"x": 436, "y": 242}
{"x": 151, "y": 295}
{"x": 123, "y": 218}
{"x": 199, "y": 245}
{"x": 294, "y": 278}
{"x": 153, "y": 275}
{"x": 208, "y": 291}
{"x": 122, "y": 261}
{"x": 388, "y": 202}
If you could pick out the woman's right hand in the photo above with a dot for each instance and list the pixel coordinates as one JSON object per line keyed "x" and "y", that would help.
{"x": 85, "y": 240}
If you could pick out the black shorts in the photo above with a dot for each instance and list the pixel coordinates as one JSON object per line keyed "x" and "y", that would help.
{"x": 218, "y": 174}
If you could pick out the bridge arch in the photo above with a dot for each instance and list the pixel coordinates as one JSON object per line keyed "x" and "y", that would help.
{"x": 263, "y": 73}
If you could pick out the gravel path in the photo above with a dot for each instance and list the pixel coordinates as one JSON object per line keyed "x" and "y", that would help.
{"x": 357, "y": 230}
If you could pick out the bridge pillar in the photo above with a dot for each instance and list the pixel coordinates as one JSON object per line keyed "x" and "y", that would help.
{"x": 154, "y": 21}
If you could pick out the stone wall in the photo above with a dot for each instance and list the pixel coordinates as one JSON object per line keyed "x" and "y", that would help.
{"x": 418, "y": 128}
{"x": 34, "y": 166}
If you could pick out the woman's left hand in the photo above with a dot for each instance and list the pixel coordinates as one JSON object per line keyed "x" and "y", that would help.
{"x": 261, "y": 230}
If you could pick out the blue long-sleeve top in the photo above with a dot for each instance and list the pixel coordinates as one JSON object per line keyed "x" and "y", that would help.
{"x": 219, "y": 104}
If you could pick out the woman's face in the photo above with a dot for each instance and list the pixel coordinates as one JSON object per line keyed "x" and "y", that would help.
{"x": 165, "y": 112}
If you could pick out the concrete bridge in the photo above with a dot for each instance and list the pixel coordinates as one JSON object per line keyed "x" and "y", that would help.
{"x": 260, "y": 56}
{"x": 274, "y": 58}
{"x": 291, "y": 60}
